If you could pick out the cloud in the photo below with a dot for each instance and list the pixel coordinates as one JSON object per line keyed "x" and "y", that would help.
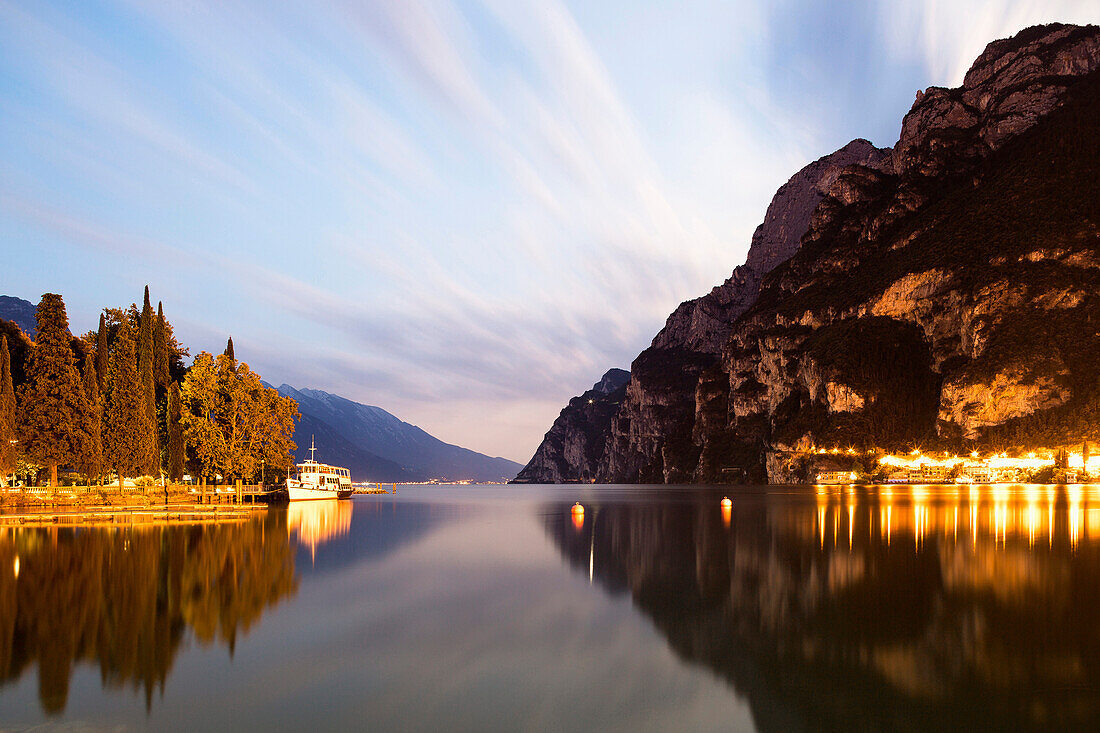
{"x": 443, "y": 204}
{"x": 948, "y": 35}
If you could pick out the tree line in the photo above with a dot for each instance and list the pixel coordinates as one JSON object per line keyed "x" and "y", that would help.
{"x": 119, "y": 401}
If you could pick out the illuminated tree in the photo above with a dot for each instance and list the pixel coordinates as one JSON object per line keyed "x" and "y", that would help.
{"x": 147, "y": 379}
{"x": 91, "y": 459}
{"x": 128, "y": 444}
{"x": 101, "y": 354}
{"x": 175, "y": 434}
{"x": 51, "y": 405}
{"x": 229, "y": 349}
{"x": 161, "y": 349}
{"x": 7, "y": 413}
{"x": 232, "y": 420}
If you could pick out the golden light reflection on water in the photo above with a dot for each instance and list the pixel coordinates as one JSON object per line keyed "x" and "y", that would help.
{"x": 1033, "y": 514}
{"x": 317, "y": 522}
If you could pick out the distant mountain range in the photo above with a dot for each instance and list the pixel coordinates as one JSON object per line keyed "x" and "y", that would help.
{"x": 368, "y": 441}
{"x": 20, "y": 312}
{"x": 377, "y": 446}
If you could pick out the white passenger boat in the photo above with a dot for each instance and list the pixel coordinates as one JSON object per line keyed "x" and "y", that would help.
{"x": 315, "y": 480}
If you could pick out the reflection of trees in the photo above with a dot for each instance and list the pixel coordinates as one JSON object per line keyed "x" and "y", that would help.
{"x": 123, "y": 598}
{"x": 853, "y": 614}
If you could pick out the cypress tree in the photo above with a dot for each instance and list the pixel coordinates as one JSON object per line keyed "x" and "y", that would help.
{"x": 101, "y": 355}
{"x": 7, "y": 413}
{"x": 92, "y": 459}
{"x": 160, "y": 349}
{"x": 52, "y": 409}
{"x": 229, "y": 350}
{"x": 175, "y": 434}
{"x": 127, "y": 446}
{"x": 148, "y": 382}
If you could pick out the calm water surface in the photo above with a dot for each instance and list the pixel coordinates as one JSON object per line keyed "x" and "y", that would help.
{"x": 475, "y": 608}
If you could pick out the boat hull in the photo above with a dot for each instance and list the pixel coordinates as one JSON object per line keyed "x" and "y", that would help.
{"x": 310, "y": 493}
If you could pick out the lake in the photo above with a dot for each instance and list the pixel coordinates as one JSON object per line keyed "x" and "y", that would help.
{"x": 497, "y": 607}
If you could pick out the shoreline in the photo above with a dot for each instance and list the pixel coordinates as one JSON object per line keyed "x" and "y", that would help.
{"x": 115, "y": 516}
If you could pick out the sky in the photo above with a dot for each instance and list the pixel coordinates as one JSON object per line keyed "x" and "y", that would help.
{"x": 463, "y": 212}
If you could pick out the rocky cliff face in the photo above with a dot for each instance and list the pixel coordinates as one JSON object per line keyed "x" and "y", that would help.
{"x": 942, "y": 292}
{"x": 660, "y": 399}
{"x": 575, "y": 443}
{"x": 948, "y": 303}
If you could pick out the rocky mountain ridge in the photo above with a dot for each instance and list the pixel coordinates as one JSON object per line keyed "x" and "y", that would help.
{"x": 577, "y": 438}
{"x": 377, "y": 446}
{"x": 20, "y": 312}
{"x": 927, "y": 297}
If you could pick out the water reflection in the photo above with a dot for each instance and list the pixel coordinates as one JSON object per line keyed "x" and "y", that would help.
{"x": 126, "y": 598}
{"x": 898, "y": 607}
{"x": 318, "y": 522}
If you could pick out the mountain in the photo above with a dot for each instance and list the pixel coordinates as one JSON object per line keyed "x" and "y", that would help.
{"x": 576, "y": 441}
{"x": 379, "y": 447}
{"x": 20, "y": 312}
{"x": 942, "y": 293}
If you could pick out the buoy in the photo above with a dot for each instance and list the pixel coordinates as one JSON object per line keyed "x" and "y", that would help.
{"x": 727, "y": 502}
{"x": 577, "y": 514}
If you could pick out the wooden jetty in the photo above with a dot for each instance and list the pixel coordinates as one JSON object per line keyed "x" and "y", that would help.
{"x": 130, "y": 516}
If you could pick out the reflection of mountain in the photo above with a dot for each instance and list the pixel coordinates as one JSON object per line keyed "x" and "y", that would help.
{"x": 867, "y": 611}
{"x": 125, "y": 599}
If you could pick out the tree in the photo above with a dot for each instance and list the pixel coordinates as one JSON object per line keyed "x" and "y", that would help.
{"x": 146, "y": 376}
{"x": 175, "y": 434}
{"x": 7, "y": 413}
{"x": 101, "y": 354}
{"x": 229, "y": 349}
{"x": 51, "y": 405}
{"x": 232, "y": 420}
{"x": 128, "y": 443}
{"x": 161, "y": 349}
{"x": 91, "y": 460}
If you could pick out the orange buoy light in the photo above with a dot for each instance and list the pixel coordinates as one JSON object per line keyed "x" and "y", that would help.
{"x": 726, "y": 501}
{"x": 578, "y": 515}
{"x": 727, "y": 511}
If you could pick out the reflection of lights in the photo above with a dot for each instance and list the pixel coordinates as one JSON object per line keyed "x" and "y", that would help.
{"x": 317, "y": 522}
{"x": 974, "y": 525}
{"x": 15, "y": 566}
{"x": 821, "y": 524}
{"x": 591, "y": 558}
{"x": 578, "y": 520}
{"x": 1073, "y": 493}
{"x": 920, "y": 522}
{"x": 995, "y": 513}
{"x": 727, "y": 513}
